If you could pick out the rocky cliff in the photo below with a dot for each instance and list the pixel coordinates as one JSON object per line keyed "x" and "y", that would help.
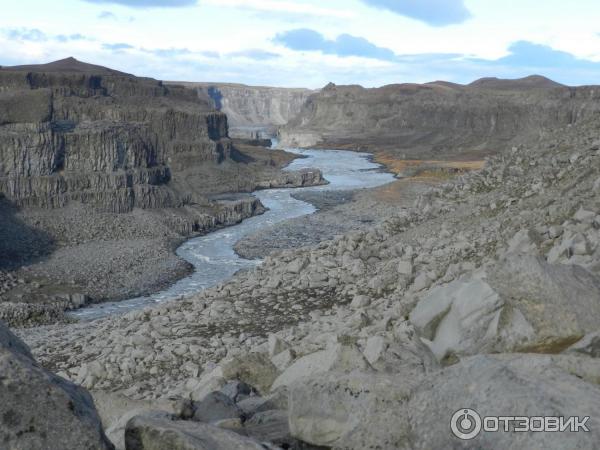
{"x": 101, "y": 137}
{"x": 103, "y": 174}
{"x": 440, "y": 118}
{"x": 249, "y": 107}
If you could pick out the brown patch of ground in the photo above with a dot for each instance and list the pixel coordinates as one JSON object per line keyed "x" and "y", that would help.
{"x": 400, "y": 192}
{"x": 415, "y": 168}
{"x": 416, "y": 175}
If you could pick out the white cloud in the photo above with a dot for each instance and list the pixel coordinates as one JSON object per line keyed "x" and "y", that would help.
{"x": 287, "y": 7}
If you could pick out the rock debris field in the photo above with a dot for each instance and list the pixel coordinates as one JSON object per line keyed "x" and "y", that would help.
{"x": 483, "y": 294}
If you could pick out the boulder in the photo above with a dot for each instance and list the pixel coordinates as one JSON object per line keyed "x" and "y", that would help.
{"x": 254, "y": 368}
{"x": 399, "y": 352}
{"x": 561, "y": 303}
{"x": 459, "y": 316}
{"x": 365, "y": 410}
{"x": 504, "y": 385}
{"x": 588, "y": 345}
{"x": 338, "y": 357}
{"x": 237, "y": 390}
{"x": 520, "y": 304}
{"x": 216, "y": 406}
{"x": 40, "y": 410}
{"x": 158, "y": 432}
{"x": 271, "y": 426}
{"x": 116, "y": 410}
{"x": 351, "y": 411}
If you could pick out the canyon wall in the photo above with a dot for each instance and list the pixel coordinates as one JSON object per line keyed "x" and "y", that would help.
{"x": 438, "y": 119}
{"x": 250, "y": 107}
{"x": 101, "y": 137}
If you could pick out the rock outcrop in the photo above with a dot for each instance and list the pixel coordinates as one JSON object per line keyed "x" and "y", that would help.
{"x": 102, "y": 137}
{"x": 252, "y": 107}
{"x": 40, "y": 410}
{"x": 438, "y": 119}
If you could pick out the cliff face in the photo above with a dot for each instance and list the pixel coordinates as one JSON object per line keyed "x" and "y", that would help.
{"x": 101, "y": 137}
{"x": 252, "y": 106}
{"x": 438, "y": 119}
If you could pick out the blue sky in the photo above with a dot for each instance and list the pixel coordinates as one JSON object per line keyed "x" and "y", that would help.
{"x": 311, "y": 42}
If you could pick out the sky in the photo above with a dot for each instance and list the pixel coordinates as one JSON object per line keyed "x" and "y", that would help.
{"x": 308, "y": 43}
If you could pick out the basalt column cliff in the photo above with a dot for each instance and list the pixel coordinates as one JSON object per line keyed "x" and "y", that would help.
{"x": 102, "y": 137}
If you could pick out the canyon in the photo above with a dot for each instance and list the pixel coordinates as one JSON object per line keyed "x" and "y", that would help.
{"x": 252, "y": 108}
{"x": 103, "y": 174}
{"x": 439, "y": 120}
{"x": 470, "y": 280}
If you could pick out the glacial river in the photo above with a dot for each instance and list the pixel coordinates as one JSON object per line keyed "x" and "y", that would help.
{"x": 212, "y": 255}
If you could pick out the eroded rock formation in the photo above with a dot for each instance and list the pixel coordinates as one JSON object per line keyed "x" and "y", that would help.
{"x": 249, "y": 107}
{"x": 439, "y": 119}
{"x": 101, "y": 137}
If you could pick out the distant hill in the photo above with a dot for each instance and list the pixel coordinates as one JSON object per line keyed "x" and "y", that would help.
{"x": 439, "y": 119}
{"x": 530, "y": 82}
{"x": 69, "y": 65}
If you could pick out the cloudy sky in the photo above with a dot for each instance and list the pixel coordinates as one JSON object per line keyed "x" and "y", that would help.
{"x": 311, "y": 42}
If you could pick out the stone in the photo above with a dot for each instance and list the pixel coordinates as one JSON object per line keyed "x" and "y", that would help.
{"x": 212, "y": 380}
{"x": 399, "y": 353}
{"x": 338, "y": 357}
{"x": 10, "y": 342}
{"x": 276, "y": 345}
{"x": 283, "y": 360}
{"x": 351, "y": 411}
{"x": 522, "y": 242}
{"x": 40, "y": 410}
{"x": 458, "y": 317}
{"x": 216, "y": 406}
{"x": 558, "y": 302}
{"x": 236, "y": 390}
{"x": 157, "y": 432}
{"x": 115, "y": 410}
{"x": 254, "y": 368}
{"x": 360, "y": 301}
{"x": 405, "y": 268}
{"x": 521, "y": 304}
{"x": 271, "y": 426}
{"x": 585, "y": 216}
{"x": 514, "y": 385}
{"x": 588, "y": 345}
{"x": 422, "y": 281}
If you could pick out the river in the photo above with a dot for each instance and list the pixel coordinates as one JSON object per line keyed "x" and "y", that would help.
{"x": 212, "y": 255}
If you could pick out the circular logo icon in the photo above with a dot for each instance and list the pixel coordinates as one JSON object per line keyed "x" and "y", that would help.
{"x": 465, "y": 424}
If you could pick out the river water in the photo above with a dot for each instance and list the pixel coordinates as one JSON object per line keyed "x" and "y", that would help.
{"x": 212, "y": 255}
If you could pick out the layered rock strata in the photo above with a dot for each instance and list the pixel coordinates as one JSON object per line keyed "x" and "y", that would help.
{"x": 439, "y": 119}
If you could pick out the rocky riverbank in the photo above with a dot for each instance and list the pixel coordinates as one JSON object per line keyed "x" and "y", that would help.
{"x": 103, "y": 174}
{"x": 483, "y": 294}
{"x": 338, "y": 212}
{"x": 60, "y": 259}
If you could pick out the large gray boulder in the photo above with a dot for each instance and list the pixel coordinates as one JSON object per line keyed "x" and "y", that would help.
{"x": 560, "y": 302}
{"x": 158, "y": 432}
{"x": 507, "y": 385}
{"x": 40, "y": 410}
{"x": 337, "y": 357}
{"x": 459, "y": 317}
{"x": 358, "y": 410}
{"x": 116, "y": 410}
{"x": 216, "y": 406}
{"x": 521, "y": 304}
{"x": 365, "y": 410}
